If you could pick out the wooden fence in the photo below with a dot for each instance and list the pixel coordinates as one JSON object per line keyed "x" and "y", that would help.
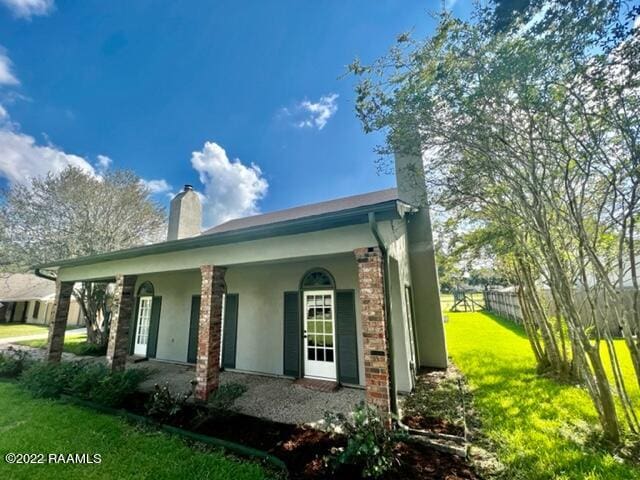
{"x": 506, "y": 304}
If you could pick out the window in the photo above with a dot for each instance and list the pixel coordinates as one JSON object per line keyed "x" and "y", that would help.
{"x": 36, "y": 309}
{"x": 146, "y": 290}
{"x": 317, "y": 278}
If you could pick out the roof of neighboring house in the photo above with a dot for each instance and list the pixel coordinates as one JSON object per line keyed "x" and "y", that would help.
{"x": 318, "y": 216}
{"x": 21, "y": 287}
{"x": 305, "y": 211}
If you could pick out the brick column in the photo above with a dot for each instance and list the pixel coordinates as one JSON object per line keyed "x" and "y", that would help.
{"x": 209, "y": 333}
{"x": 374, "y": 333}
{"x": 58, "y": 323}
{"x": 121, "y": 314}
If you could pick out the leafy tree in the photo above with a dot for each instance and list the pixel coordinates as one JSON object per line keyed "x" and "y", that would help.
{"x": 531, "y": 128}
{"x": 74, "y": 214}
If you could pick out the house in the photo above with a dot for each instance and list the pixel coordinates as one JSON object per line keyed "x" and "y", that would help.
{"x": 344, "y": 291}
{"x": 26, "y": 298}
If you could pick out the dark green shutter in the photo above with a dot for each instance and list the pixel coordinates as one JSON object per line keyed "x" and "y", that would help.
{"x": 154, "y": 325}
{"x": 292, "y": 337}
{"x": 347, "y": 337}
{"x": 192, "y": 352}
{"x": 132, "y": 327}
{"x": 230, "y": 334}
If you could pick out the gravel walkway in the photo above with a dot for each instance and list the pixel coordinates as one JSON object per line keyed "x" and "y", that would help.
{"x": 272, "y": 398}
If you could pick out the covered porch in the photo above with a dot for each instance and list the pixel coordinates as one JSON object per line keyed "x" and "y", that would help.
{"x": 318, "y": 316}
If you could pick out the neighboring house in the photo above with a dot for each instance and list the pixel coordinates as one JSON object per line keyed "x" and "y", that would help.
{"x": 344, "y": 290}
{"x": 27, "y": 298}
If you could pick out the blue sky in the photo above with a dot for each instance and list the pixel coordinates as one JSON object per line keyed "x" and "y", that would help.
{"x": 252, "y": 87}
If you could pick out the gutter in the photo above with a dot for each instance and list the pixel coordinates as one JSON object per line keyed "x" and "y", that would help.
{"x": 41, "y": 274}
{"x": 393, "y": 395}
{"x": 354, "y": 216}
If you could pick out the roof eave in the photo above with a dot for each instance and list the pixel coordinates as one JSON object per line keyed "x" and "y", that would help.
{"x": 354, "y": 216}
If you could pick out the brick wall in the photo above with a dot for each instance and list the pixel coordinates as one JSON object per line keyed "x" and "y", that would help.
{"x": 209, "y": 333}
{"x": 373, "y": 316}
{"x": 58, "y": 325}
{"x": 121, "y": 314}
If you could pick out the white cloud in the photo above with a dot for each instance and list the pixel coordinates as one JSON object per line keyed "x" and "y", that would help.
{"x": 104, "y": 162}
{"x": 29, "y": 8}
{"x": 231, "y": 189}
{"x": 22, "y": 158}
{"x": 307, "y": 114}
{"x": 7, "y": 77}
{"x": 157, "y": 186}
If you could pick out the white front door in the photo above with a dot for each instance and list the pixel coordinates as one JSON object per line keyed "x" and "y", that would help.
{"x": 319, "y": 335}
{"x": 142, "y": 326}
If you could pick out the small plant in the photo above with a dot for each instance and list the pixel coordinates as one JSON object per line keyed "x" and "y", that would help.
{"x": 370, "y": 443}
{"x": 49, "y": 380}
{"x": 164, "y": 404}
{"x": 225, "y": 395}
{"x": 13, "y": 362}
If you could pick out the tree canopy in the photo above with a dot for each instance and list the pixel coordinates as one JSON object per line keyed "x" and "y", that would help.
{"x": 528, "y": 125}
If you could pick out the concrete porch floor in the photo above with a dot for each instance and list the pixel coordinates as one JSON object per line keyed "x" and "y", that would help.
{"x": 272, "y": 398}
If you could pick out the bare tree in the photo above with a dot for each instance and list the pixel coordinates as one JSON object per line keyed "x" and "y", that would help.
{"x": 74, "y": 214}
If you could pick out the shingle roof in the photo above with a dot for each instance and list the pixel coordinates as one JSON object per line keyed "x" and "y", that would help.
{"x": 306, "y": 211}
{"x": 19, "y": 287}
{"x": 318, "y": 216}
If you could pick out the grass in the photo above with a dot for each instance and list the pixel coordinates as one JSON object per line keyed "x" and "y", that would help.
{"x": 41, "y": 426}
{"x": 20, "y": 329}
{"x": 76, "y": 344}
{"x": 541, "y": 429}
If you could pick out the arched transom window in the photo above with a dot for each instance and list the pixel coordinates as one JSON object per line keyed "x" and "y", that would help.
{"x": 317, "y": 278}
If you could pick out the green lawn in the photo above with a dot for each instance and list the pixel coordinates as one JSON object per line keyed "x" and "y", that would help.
{"x": 73, "y": 343}
{"x": 43, "y": 426}
{"x": 20, "y": 329}
{"x": 541, "y": 428}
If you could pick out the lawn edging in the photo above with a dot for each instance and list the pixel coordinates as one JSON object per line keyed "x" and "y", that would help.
{"x": 236, "y": 448}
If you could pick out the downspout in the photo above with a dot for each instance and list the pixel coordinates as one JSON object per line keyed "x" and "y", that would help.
{"x": 393, "y": 397}
{"x": 41, "y": 274}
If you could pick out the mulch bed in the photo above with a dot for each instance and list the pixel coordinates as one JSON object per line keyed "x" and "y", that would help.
{"x": 432, "y": 424}
{"x": 304, "y": 450}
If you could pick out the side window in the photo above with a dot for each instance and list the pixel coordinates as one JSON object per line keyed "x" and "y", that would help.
{"x": 36, "y": 309}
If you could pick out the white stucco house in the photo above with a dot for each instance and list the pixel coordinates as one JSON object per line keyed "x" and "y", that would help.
{"x": 26, "y": 298}
{"x": 344, "y": 291}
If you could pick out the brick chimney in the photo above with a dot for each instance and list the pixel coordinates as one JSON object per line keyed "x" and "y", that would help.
{"x": 185, "y": 215}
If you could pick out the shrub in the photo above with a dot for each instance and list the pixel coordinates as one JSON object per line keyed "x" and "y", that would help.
{"x": 13, "y": 362}
{"x": 49, "y": 380}
{"x": 113, "y": 389}
{"x": 225, "y": 395}
{"x": 90, "y": 349}
{"x": 165, "y": 405}
{"x": 85, "y": 380}
{"x": 369, "y": 442}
